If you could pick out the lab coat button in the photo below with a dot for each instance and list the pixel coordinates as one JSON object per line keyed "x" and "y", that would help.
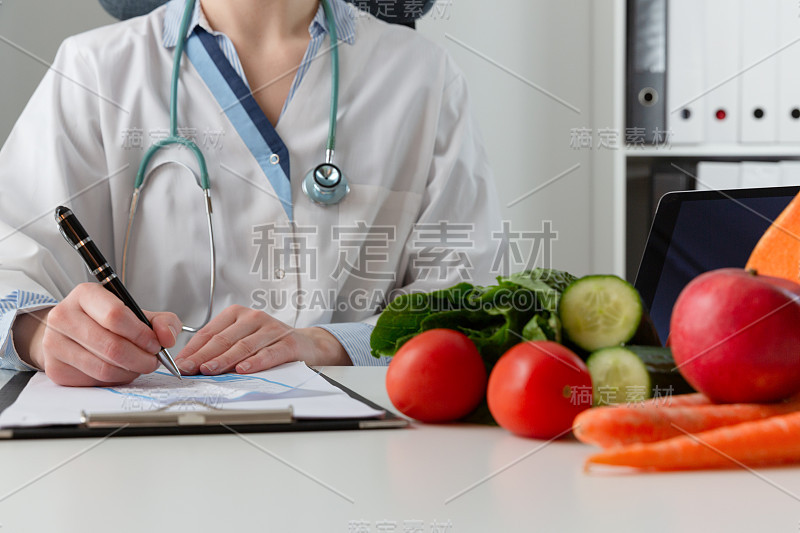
{"x": 279, "y": 273}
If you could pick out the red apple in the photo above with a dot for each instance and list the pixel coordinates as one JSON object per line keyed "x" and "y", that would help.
{"x": 735, "y": 336}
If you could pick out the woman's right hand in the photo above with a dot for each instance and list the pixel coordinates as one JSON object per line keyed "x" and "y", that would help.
{"x": 91, "y": 338}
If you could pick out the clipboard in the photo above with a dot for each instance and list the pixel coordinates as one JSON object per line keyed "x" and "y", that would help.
{"x": 208, "y": 422}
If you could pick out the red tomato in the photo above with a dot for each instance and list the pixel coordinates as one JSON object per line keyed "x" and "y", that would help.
{"x": 534, "y": 389}
{"x": 438, "y": 376}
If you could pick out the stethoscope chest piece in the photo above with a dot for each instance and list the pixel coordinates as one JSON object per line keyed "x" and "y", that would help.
{"x": 325, "y": 184}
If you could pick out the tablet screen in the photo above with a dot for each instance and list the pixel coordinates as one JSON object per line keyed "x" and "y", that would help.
{"x": 697, "y": 231}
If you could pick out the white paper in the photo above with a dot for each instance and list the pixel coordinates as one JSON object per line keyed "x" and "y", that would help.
{"x": 293, "y": 385}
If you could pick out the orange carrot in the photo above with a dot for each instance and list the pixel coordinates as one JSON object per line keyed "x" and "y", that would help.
{"x": 777, "y": 252}
{"x": 620, "y": 426}
{"x": 674, "y": 400}
{"x": 772, "y": 441}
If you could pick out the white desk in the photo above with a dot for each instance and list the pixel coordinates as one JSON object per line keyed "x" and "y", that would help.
{"x": 363, "y": 481}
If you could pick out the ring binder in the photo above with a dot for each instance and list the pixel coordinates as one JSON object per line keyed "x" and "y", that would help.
{"x": 647, "y": 63}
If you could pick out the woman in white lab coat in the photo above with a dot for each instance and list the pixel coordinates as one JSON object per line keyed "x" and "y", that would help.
{"x": 295, "y": 280}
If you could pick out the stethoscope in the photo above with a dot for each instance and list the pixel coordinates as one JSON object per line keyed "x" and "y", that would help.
{"x": 324, "y": 184}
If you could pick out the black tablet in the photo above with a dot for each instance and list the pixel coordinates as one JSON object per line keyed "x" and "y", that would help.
{"x": 697, "y": 231}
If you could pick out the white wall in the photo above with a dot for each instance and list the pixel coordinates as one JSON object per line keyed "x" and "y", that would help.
{"x": 30, "y": 32}
{"x": 507, "y": 49}
{"x": 565, "y": 48}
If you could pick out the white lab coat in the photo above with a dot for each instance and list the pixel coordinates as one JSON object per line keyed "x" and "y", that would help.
{"x": 406, "y": 140}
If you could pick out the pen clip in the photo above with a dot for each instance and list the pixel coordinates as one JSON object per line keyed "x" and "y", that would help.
{"x": 64, "y": 234}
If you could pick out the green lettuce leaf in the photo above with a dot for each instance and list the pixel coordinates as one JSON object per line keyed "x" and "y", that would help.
{"x": 519, "y": 307}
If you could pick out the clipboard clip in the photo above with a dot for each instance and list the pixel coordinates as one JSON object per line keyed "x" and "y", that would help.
{"x": 166, "y": 417}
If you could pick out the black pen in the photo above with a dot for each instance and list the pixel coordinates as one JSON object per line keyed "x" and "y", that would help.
{"x": 73, "y": 232}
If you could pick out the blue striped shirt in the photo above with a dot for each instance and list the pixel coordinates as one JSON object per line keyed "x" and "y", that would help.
{"x": 10, "y": 306}
{"x": 354, "y": 337}
{"x": 343, "y": 13}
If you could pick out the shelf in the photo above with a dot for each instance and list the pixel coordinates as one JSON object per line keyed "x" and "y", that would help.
{"x": 711, "y": 151}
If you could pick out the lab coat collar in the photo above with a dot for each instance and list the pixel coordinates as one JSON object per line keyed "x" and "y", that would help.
{"x": 343, "y": 13}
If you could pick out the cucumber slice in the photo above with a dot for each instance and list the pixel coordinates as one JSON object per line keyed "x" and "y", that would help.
{"x": 600, "y": 311}
{"x": 619, "y": 376}
{"x": 634, "y": 373}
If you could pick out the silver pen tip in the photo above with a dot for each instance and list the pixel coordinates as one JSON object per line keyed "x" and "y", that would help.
{"x": 167, "y": 360}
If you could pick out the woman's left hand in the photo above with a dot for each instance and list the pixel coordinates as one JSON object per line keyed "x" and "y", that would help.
{"x": 247, "y": 340}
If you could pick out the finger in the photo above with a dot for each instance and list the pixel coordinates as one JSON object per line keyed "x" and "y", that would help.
{"x": 109, "y": 311}
{"x": 118, "y": 351}
{"x": 166, "y": 326}
{"x": 63, "y": 374}
{"x": 68, "y": 376}
{"x": 241, "y": 350}
{"x": 217, "y": 324}
{"x": 74, "y": 366}
{"x": 95, "y": 342}
{"x": 205, "y": 359}
{"x": 266, "y": 358}
{"x": 265, "y": 332}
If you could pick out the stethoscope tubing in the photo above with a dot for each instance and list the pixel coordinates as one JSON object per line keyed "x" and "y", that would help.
{"x": 211, "y": 243}
{"x": 324, "y": 198}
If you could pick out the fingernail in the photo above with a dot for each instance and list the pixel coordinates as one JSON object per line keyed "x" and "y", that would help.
{"x": 244, "y": 366}
{"x": 211, "y": 366}
{"x": 174, "y": 333}
{"x": 187, "y": 367}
